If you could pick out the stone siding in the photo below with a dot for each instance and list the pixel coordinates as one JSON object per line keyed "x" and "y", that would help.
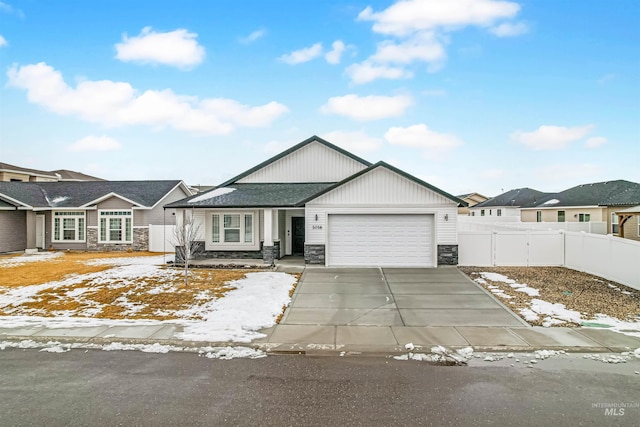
{"x": 140, "y": 241}
{"x": 447, "y": 254}
{"x": 314, "y": 254}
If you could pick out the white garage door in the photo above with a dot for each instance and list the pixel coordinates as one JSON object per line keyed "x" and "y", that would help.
{"x": 381, "y": 240}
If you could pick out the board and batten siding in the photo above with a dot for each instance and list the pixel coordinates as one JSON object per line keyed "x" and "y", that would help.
{"x": 382, "y": 191}
{"x": 314, "y": 162}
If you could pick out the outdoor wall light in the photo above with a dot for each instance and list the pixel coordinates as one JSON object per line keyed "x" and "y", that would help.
{"x": 446, "y": 217}
{"x": 316, "y": 217}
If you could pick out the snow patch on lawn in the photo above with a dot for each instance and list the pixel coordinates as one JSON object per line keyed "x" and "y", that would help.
{"x": 496, "y": 277}
{"x": 27, "y": 258}
{"x": 254, "y": 304}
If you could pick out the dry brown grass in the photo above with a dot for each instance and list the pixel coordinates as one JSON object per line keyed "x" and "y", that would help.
{"x": 157, "y": 297}
{"x": 58, "y": 268}
{"x": 293, "y": 289}
{"x": 582, "y": 292}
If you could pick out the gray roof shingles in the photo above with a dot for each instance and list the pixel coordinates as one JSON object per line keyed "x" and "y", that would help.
{"x": 607, "y": 193}
{"x": 518, "y": 197}
{"x": 75, "y": 194}
{"x": 255, "y": 195}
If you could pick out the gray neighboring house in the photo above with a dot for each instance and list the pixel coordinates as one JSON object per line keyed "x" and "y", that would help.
{"x": 91, "y": 215}
{"x": 506, "y": 205}
{"x": 319, "y": 201}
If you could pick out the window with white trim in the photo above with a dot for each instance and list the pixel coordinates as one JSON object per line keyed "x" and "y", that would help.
{"x": 584, "y": 217}
{"x": 499, "y": 212}
{"x": 234, "y": 228}
{"x": 614, "y": 223}
{"x": 538, "y": 216}
{"x": 561, "y": 216}
{"x": 116, "y": 226}
{"x": 69, "y": 226}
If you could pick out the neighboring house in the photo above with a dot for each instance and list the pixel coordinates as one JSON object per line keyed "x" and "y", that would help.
{"x": 334, "y": 208}
{"x": 9, "y": 173}
{"x": 506, "y": 205}
{"x": 12, "y": 173}
{"x": 599, "y": 201}
{"x": 471, "y": 199}
{"x": 94, "y": 215}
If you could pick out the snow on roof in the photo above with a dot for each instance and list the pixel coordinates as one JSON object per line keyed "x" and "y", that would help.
{"x": 552, "y": 202}
{"x": 211, "y": 194}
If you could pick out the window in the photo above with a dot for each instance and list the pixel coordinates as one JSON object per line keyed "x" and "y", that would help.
{"x": 232, "y": 228}
{"x": 482, "y": 212}
{"x": 69, "y": 226}
{"x": 584, "y": 217}
{"x": 473, "y": 214}
{"x": 560, "y": 216}
{"x": 614, "y": 223}
{"x": 115, "y": 226}
{"x": 499, "y": 212}
{"x": 538, "y": 216}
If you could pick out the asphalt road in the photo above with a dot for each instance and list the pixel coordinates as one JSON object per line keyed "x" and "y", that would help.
{"x": 124, "y": 388}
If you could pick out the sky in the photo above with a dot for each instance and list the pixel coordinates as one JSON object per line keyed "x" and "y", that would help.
{"x": 469, "y": 95}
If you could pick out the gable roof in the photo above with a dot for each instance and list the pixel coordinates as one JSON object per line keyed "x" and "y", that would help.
{"x": 6, "y": 167}
{"x": 393, "y": 169}
{"x": 72, "y": 194}
{"x": 606, "y": 193}
{"x": 285, "y": 153}
{"x": 253, "y": 195}
{"x": 518, "y": 197}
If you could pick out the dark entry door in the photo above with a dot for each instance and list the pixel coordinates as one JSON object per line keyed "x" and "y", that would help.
{"x": 297, "y": 235}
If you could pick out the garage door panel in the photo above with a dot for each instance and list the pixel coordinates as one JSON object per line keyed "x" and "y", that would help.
{"x": 385, "y": 240}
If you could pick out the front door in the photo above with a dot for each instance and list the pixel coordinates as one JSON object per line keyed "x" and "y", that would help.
{"x": 297, "y": 235}
{"x": 40, "y": 231}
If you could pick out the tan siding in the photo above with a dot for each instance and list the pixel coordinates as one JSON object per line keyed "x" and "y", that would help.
{"x": 314, "y": 162}
{"x": 572, "y": 214}
{"x": 114, "y": 203}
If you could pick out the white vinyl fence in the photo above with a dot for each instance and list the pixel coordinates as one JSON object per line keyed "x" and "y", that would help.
{"x": 466, "y": 223}
{"x": 161, "y": 238}
{"x": 606, "y": 256}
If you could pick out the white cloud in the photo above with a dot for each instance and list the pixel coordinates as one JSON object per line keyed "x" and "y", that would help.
{"x": 3, "y": 41}
{"x": 432, "y": 144}
{"x": 357, "y": 142}
{"x": 119, "y": 104}
{"x": 409, "y": 16}
{"x": 177, "y": 48}
{"x": 334, "y": 55}
{"x": 595, "y": 142}
{"x": 509, "y": 29}
{"x": 258, "y": 34}
{"x": 422, "y": 47}
{"x": 551, "y": 137}
{"x": 95, "y": 143}
{"x": 303, "y": 55}
{"x": 419, "y": 30}
{"x": 367, "y": 107}
{"x": 366, "y": 72}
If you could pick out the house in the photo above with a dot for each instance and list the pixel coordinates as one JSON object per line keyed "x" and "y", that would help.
{"x": 319, "y": 201}
{"x": 92, "y": 215}
{"x": 12, "y": 173}
{"x": 471, "y": 199}
{"x": 506, "y": 206}
{"x": 599, "y": 201}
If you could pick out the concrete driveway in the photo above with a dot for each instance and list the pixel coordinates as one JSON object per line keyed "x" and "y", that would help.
{"x": 394, "y": 297}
